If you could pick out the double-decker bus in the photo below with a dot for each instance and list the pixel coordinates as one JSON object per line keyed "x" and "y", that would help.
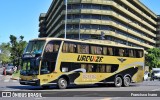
{"x": 62, "y": 62}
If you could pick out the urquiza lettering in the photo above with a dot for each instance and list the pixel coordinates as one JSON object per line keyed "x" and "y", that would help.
{"x": 90, "y": 58}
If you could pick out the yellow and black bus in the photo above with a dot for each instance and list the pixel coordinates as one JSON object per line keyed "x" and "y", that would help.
{"x": 62, "y": 62}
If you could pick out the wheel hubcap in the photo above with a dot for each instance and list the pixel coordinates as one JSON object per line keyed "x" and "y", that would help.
{"x": 63, "y": 83}
{"x": 118, "y": 82}
{"x": 127, "y": 81}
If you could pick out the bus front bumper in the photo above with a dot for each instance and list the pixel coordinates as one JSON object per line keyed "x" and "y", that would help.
{"x": 35, "y": 82}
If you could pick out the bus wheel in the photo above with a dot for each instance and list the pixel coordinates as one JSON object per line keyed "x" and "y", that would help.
{"x": 62, "y": 83}
{"x": 126, "y": 81}
{"x": 118, "y": 82}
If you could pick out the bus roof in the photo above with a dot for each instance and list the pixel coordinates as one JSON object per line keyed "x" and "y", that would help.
{"x": 90, "y": 41}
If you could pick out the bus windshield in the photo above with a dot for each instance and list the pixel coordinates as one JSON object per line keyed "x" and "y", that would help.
{"x": 30, "y": 67}
{"x": 35, "y": 47}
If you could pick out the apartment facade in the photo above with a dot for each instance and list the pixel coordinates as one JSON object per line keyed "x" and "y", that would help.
{"x": 158, "y": 31}
{"x": 126, "y": 22}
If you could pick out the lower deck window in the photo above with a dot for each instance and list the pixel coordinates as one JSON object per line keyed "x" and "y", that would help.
{"x": 96, "y": 68}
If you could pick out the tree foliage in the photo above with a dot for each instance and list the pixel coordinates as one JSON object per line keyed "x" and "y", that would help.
{"x": 153, "y": 58}
{"x": 5, "y": 53}
{"x": 17, "y": 48}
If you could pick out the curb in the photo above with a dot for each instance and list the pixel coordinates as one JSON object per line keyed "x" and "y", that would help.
{"x": 14, "y": 78}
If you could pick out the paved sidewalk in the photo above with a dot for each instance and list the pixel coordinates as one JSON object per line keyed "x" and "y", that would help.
{"x": 6, "y": 78}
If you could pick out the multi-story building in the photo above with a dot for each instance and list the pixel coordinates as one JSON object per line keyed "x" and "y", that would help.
{"x": 158, "y": 31}
{"x": 126, "y": 22}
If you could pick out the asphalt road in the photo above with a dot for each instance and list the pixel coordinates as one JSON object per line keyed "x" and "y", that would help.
{"x": 89, "y": 92}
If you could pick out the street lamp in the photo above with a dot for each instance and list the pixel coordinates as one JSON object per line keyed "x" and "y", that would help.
{"x": 65, "y": 31}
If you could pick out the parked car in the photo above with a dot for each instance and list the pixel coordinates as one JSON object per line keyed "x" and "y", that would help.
{"x": 8, "y": 70}
{"x": 155, "y": 73}
{"x": 146, "y": 76}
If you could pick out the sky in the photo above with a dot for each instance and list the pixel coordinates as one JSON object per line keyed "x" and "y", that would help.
{"x": 21, "y": 17}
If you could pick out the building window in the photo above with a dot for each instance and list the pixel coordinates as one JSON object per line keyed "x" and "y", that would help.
{"x": 105, "y": 18}
{"x": 77, "y": 16}
{"x": 95, "y": 16}
{"x": 86, "y": 6}
{"x": 94, "y": 6}
{"x": 95, "y": 27}
{"x": 85, "y": 26}
{"x": 86, "y": 16}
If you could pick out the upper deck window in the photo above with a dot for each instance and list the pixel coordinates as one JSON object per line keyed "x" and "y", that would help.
{"x": 83, "y": 48}
{"x": 35, "y": 46}
{"x": 52, "y": 46}
{"x": 69, "y": 47}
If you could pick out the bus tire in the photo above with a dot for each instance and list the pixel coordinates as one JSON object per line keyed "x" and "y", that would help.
{"x": 62, "y": 83}
{"x": 118, "y": 82}
{"x": 126, "y": 81}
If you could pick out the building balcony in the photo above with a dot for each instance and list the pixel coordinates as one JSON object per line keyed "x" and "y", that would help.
{"x": 73, "y": 1}
{"x": 111, "y": 13}
{"x": 52, "y": 17}
{"x": 107, "y": 33}
{"x": 138, "y": 11}
{"x": 112, "y": 3}
{"x": 54, "y": 11}
{"x": 42, "y": 23}
{"x": 102, "y": 22}
{"x": 42, "y": 16}
{"x": 145, "y": 8}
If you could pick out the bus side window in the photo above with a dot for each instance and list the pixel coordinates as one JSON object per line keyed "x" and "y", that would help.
{"x": 93, "y": 49}
{"x": 89, "y": 69}
{"x": 121, "y": 52}
{"x": 65, "y": 47}
{"x": 110, "y": 51}
{"x": 104, "y": 50}
{"x": 55, "y": 47}
{"x": 72, "y": 48}
{"x": 52, "y": 47}
{"x": 99, "y": 50}
{"x": 96, "y": 50}
{"x": 102, "y": 69}
{"x": 131, "y": 53}
{"x": 83, "y": 48}
{"x": 47, "y": 67}
{"x": 139, "y": 54}
{"x": 49, "y": 47}
{"x": 108, "y": 68}
{"x": 98, "y": 68}
{"x": 84, "y": 66}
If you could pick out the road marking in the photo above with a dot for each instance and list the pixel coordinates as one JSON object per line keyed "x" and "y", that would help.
{"x": 156, "y": 89}
{"x": 104, "y": 99}
{"x": 15, "y": 80}
{"x": 6, "y": 80}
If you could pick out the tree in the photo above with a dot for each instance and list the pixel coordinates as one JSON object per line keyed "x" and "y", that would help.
{"x": 17, "y": 47}
{"x": 5, "y": 53}
{"x": 153, "y": 58}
